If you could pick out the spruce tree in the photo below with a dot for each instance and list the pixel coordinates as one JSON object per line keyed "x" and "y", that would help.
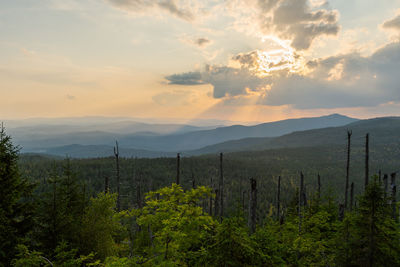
{"x": 374, "y": 236}
{"x": 61, "y": 210}
{"x": 15, "y": 209}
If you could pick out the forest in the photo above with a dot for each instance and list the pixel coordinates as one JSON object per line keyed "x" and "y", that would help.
{"x": 312, "y": 206}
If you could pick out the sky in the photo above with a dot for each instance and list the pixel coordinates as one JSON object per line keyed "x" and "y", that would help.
{"x": 245, "y": 61}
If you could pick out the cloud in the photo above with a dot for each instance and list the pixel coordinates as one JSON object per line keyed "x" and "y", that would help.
{"x": 70, "y": 97}
{"x": 170, "y": 6}
{"x": 297, "y": 21}
{"x": 199, "y": 42}
{"x": 228, "y": 81}
{"x": 348, "y": 80}
{"x": 188, "y": 78}
{"x": 392, "y": 24}
{"x": 202, "y": 42}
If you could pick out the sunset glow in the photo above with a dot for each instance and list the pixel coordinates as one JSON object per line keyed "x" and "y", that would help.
{"x": 182, "y": 59}
{"x": 283, "y": 58}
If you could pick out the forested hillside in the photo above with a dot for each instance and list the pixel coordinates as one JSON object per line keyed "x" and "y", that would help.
{"x": 151, "y": 140}
{"x": 383, "y": 131}
{"x": 280, "y": 207}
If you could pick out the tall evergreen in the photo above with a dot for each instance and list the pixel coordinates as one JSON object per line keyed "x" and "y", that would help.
{"x": 61, "y": 209}
{"x": 374, "y": 236}
{"x": 15, "y": 209}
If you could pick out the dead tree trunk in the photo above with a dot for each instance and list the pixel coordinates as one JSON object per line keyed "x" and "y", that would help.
{"x": 279, "y": 199}
{"x": 300, "y": 200}
{"x": 341, "y": 212}
{"x": 211, "y": 200}
{"x": 380, "y": 176}
{"x": 366, "y": 160}
{"x": 351, "y": 196}
{"x": 116, "y": 154}
{"x": 302, "y": 190}
{"x": 319, "y": 186}
{"x": 139, "y": 192}
{"x": 193, "y": 180}
{"x": 243, "y": 199}
{"x": 304, "y": 195}
{"x": 253, "y": 205}
{"x": 106, "y": 186}
{"x": 216, "y": 202}
{"x": 349, "y": 133}
{"x": 393, "y": 186}
{"x": 178, "y": 168}
{"x": 385, "y": 184}
{"x": 221, "y": 184}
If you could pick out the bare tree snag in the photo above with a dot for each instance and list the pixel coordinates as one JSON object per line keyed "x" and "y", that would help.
{"x": 349, "y": 133}
{"x": 366, "y": 160}
{"x": 319, "y": 186}
{"x": 278, "y": 204}
{"x": 116, "y": 154}
{"x": 385, "y": 183}
{"x": 351, "y": 196}
{"x": 193, "y": 179}
{"x": 253, "y": 205}
{"x": 106, "y": 186}
{"x": 393, "y": 187}
{"x": 211, "y": 200}
{"x": 341, "y": 212}
{"x": 139, "y": 192}
{"x": 216, "y": 202}
{"x": 178, "y": 168}
{"x": 380, "y": 176}
{"x": 302, "y": 190}
{"x": 221, "y": 184}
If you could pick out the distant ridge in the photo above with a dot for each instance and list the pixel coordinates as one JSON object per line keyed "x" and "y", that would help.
{"x": 383, "y": 131}
{"x": 99, "y": 144}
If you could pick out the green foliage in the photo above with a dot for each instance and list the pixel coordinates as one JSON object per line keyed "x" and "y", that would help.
{"x": 68, "y": 257}
{"x": 100, "y": 226}
{"x": 24, "y": 258}
{"x": 232, "y": 245}
{"x": 120, "y": 262}
{"x": 177, "y": 227}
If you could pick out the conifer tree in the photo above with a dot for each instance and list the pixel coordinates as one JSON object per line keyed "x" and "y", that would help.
{"x": 15, "y": 209}
{"x": 374, "y": 237}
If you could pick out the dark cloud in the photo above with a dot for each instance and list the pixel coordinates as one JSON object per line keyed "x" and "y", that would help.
{"x": 294, "y": 19}
{"x": 393, "y": 23}
{"x": 171, "y": 7}
{"x": 188, "y": 78}
{"x": 229, "y": 81}
{"x": 348, "y": 80}
{"x": 202, "y": 42}
{"x": 142, "y": 5}
{"x": 247, "y": 60}
{"x": 226, "y": 81}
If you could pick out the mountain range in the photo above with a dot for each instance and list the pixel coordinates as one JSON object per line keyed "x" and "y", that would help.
{"x": 138, "y": 139}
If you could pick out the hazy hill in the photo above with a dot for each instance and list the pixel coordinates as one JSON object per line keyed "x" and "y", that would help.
{"x": 383, "y": 131}
{"x": 198, "y": 139}
{"x": 94, "y": 142}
